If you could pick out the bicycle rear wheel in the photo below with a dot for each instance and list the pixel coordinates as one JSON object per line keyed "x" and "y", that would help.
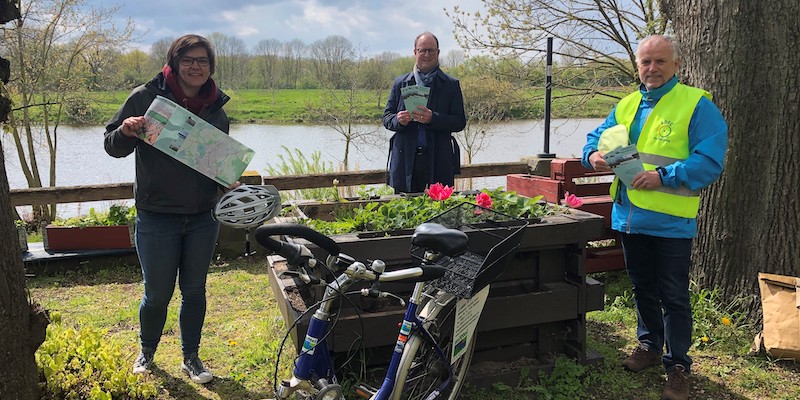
{"x": 421, "y": 369}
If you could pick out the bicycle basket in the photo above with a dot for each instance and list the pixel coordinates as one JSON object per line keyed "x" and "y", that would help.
{"x": 493, "y": 239}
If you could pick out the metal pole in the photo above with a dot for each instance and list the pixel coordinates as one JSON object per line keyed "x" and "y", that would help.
{"x": 547, "y": 95}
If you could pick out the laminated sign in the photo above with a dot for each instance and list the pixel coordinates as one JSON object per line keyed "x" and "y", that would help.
{"x": 781, "y": 306}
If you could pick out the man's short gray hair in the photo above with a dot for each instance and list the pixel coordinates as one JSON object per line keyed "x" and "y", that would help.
{"x": 676, "y": 50}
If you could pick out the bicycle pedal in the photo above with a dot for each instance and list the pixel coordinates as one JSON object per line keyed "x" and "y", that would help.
{"x": 364, "y": 391}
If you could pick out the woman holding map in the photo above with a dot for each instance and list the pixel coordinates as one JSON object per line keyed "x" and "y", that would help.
{"x": 175, "y": 229}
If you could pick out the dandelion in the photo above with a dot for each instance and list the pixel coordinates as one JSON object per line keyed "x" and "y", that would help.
{"x": 232, "y": 342}
{"x": 726, "y": 321}
{"x": 704, "y": 339}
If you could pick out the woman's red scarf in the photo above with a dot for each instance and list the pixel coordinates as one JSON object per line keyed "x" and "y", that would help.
{"x": 206, "y": 96}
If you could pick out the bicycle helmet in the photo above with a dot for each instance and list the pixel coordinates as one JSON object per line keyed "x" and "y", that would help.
{"x": 248, "y": 206}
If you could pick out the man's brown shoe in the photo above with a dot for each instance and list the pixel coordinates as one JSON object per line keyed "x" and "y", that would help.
{"x": 641, "y": 359}
{"x": 677, "y": 387}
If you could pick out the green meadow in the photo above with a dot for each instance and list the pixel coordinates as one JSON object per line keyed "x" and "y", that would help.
{"x": 292, "y": 106}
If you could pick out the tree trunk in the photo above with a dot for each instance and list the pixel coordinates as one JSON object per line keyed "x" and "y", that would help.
{"x": 22, "y": 325}
{"x": 740, "y": 51}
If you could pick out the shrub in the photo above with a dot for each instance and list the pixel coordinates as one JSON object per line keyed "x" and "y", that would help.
{"x": 116, "y": 215}
{"x": 85, "y": 364}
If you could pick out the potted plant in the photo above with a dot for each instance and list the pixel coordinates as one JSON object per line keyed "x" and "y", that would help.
{"x": 112, "y": 230}
{"x": 400, "y": 215}
{"x": 547, "y": 274}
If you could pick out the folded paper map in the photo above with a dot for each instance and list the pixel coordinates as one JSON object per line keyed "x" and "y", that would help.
{"x": 189, "y": 139}
{"x": 414, "y": 96}
{"x": 625, "y": 163}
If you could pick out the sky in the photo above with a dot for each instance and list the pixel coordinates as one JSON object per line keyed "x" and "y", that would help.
{"x": 372, "y": 26}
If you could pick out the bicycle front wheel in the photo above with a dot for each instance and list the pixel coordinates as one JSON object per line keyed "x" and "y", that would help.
{"x": 421, "y": 370}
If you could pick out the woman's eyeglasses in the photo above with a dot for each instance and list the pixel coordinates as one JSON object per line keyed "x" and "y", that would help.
{"x": 188, "y": 61}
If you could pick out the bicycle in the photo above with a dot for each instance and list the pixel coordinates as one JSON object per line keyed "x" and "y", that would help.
{"x": 460, "y": 252}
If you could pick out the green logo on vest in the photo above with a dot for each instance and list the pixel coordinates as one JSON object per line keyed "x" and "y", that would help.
{"x": 664, "y": 130}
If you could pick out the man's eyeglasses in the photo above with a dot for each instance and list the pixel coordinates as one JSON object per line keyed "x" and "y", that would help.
{"x": 427, "y": 51}
{"x": 188, "y": 61}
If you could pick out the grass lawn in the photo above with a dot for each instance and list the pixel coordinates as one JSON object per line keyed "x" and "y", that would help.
{"x": 292, "y": 106}
{"x": 244, "y": 328}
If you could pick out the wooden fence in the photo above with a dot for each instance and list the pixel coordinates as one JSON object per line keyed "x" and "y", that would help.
{"x": 603, "y": 259}
{"x": 123, "y": 191}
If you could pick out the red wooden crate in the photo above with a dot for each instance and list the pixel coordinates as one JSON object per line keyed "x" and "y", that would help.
{"x": 89, "y": 238}
{"x": 596, "y": 200}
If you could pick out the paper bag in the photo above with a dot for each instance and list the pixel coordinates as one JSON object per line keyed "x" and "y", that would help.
{"x": 781, "y": 306}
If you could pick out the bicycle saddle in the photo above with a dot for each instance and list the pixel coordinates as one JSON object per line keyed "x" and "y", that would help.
{"x": 433, "y": 236}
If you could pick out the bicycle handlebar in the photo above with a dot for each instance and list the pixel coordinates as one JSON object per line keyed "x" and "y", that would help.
{"x": 291, "y": 252}
{"x": 294, "y": 253}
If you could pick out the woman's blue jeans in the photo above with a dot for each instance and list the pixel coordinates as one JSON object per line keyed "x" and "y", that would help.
{"x": 173, "y": 246}
{"x": 659, "y": 270}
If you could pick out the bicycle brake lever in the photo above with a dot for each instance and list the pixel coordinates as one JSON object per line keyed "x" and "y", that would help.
{"x": 303, "y": 276}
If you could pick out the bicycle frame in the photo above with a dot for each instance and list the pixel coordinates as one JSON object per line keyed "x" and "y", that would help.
{"x": 314, "y": 369}
{"x": 314, "y": 362}
{"x": 389, "y": 389}
{"x": 314, "y": 374}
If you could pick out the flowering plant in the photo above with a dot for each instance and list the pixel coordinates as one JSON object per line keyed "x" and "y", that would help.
{"x": 437, "y": 191}
{"x": 484, "y": 200}
{"x": 410, "y": 212}
{"x": 572, "y": 201}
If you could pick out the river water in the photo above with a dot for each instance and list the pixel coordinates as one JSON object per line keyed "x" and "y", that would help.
{"x": 81, "y": 159}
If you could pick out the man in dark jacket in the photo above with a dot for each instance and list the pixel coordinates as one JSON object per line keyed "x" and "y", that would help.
{"x": 422, "y": 150}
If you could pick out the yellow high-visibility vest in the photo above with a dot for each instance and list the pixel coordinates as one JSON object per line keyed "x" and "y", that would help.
{"x": 663, "y": 141}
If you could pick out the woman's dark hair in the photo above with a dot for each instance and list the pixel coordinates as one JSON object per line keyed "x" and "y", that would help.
{"x": 185, "y": 43}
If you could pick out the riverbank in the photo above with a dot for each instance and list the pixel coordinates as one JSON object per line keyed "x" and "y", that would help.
{"x": 293, "y": 106}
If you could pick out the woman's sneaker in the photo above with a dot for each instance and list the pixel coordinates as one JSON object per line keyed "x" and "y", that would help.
{"x": 195, "y": 369}
{"x": 144, "y": 362}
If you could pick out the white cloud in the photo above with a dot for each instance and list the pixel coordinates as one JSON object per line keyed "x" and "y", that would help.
{"x": 374, "y": 26}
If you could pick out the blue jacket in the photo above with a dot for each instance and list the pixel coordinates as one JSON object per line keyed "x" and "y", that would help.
{"x": 708, "y": 142}
{"x": 444, "y": 158}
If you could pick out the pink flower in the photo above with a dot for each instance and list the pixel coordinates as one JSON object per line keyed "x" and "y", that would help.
{"x": 484, "y": 200}
{"x": 438, "y": 192}
{"x": 570, "y": 200}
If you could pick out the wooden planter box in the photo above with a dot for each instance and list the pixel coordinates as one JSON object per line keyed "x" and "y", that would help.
{"x": 324, "y": 210}
{"x": 563, "y": 176}
{"x": 89, "y": 238}
{"x": 547, "y": 278}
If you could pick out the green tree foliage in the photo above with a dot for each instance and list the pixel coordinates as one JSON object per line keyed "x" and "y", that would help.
{"x": 588, "y": 34}
{"x": 487, "y": 102}
{"x": 58, "y": 49}
{"x": 135, "y": 68}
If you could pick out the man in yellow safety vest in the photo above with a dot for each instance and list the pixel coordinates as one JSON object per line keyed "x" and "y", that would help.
{"x": 681, "y": 139}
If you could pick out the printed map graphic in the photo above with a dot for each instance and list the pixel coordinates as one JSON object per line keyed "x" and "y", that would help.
{"x": 189, "y": 139}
